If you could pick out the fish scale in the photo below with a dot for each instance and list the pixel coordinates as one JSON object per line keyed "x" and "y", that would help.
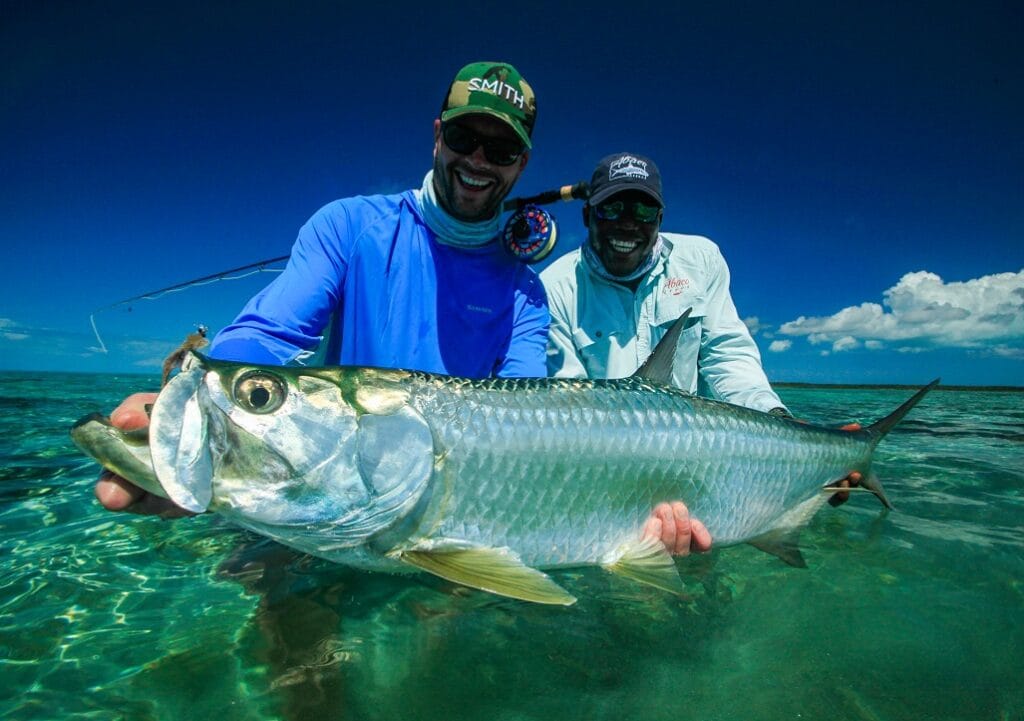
{"x": 516, "y": 478}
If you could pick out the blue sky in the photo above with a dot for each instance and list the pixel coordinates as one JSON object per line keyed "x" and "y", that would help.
{"x": 862, "y": 168}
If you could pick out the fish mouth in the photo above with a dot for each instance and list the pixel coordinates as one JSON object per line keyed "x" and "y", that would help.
{"x": 177, "y": 439}
{"x": 84, "y": 421}
{"x": 83, "y": 426}
{"x": 125, "y": 453}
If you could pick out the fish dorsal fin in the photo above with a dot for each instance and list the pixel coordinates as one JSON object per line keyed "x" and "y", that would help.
{"x": 783, "y": 544}
{"x": 657, "y": 369}
{"x": 645, "y": 560}
{"x": 495, "y": 570}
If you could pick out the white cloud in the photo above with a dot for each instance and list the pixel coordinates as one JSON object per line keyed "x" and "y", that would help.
{"x": 1008, "y": 351}
{"x": 74, "y": 346}
{"x": 15, "y": 334}
{"x": 780, "y": 346}
{"x": 753, "y": 324}
{"x": 11, "y": 330}
{"x": 847, "y": 342}
{"x": 923, "y": 309}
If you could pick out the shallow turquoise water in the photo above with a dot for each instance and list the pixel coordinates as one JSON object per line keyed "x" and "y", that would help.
{"x": 914, "y": 614}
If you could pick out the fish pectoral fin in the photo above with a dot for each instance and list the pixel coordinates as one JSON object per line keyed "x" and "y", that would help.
{"x": 495, "y": 570}
{"x": 645, "y": 560}
{"x": 783, "y": 544}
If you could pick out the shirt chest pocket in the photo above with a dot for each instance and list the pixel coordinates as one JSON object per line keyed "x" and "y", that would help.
{"x": 601, "y": 350}
{"x": 668, "y": 308}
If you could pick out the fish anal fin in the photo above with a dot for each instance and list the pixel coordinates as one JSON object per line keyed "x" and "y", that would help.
{"x": 783, "y": 544}
{"x": 495, "y": 570}
{"x": 782, "y": 541}
{"x": 646, "y": 561}
{"x": 868, "y": 484}
{"x": 871, "y": 482}
{"x": 657, "y": 369}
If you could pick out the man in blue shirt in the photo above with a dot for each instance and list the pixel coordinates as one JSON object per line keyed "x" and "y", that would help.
{"x": 414, "y": 280}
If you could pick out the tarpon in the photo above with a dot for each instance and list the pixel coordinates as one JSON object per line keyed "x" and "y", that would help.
{"x": 482, "y": 482}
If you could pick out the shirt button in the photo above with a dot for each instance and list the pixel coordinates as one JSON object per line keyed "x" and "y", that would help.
{"x": 597, "y": 334}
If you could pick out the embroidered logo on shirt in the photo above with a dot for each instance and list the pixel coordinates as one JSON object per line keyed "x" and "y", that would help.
{"x": 628, "y": 167}
{"x": 676, "y": 286}
{"x": 478, "y": 308}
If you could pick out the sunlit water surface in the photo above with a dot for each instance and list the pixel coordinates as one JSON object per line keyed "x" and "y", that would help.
{"x": 913, "y": 614}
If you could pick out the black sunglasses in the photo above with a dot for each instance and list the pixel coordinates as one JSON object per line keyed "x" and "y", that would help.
{"x": 615, "y": 209}
{"x": 465, "y": 142}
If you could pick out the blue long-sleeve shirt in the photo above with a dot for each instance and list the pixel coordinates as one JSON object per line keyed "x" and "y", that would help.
{"x": 369, "y": 284}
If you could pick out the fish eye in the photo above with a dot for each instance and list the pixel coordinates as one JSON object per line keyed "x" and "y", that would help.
{"x": 259, "y": 392}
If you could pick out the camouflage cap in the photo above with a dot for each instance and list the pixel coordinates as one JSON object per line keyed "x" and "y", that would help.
{"x": 493, "y": 89}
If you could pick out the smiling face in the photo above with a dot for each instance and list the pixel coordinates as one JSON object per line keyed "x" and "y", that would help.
{"x": 623, "y": 244}
{"x": 470, "y": 187}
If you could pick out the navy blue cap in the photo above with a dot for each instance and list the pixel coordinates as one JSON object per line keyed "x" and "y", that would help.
{"x": 625, "y": 171}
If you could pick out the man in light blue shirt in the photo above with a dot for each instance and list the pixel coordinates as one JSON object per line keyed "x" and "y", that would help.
{"x": 612, "y": 300}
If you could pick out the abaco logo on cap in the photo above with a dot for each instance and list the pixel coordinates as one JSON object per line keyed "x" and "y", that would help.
{"x": 628, "y": 167}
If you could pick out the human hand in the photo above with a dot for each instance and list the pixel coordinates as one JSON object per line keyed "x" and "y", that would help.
{"x": 671, "y": 524}
{"x": 854, "y": 479}
{"x": 119, "y": 494}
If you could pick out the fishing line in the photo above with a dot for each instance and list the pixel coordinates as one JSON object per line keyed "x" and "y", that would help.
{"x": 253, "y": 268}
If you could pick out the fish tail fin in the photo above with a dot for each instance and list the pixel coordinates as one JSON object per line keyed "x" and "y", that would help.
{"x": 880, "y": 428}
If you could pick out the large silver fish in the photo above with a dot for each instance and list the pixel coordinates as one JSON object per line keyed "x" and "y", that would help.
{"x": 482, "y": 482}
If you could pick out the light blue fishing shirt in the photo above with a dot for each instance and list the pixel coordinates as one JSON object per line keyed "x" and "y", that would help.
{"x": 602, "y": 329}
{"x": 369, "y": 284}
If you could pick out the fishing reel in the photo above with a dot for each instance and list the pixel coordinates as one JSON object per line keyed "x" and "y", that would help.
{"x": 530, "y": 234}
